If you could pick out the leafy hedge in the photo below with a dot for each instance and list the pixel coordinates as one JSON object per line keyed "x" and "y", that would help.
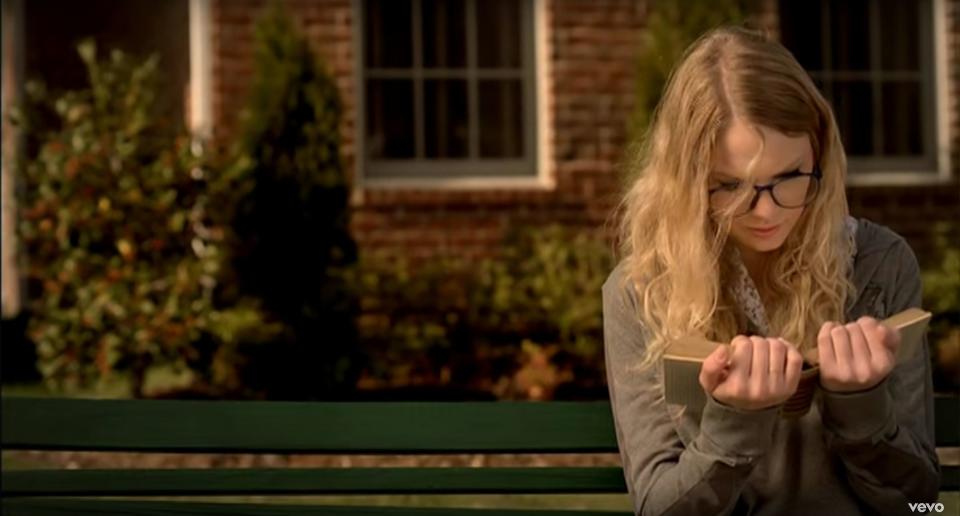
{"x": 120, "y": 266}
{"x": 489, "y": 326}
{"x": 144, "y": 252}
{"x": 941, "y": 295}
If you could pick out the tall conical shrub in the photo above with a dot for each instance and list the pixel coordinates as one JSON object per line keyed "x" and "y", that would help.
{"x": 293, "y": 247}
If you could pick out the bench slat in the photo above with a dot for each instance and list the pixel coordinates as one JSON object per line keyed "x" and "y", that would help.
{"x": 58, "y": 507}
{"x": 319, "y": 427}
{"x": 293, "y": 481}
{"x": 306, "y": 427}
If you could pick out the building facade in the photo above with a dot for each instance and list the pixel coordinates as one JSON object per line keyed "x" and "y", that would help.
{"x": 561, "y": 73}
{"x": 464, "y": 118}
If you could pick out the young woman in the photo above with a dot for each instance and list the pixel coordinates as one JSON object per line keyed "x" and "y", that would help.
{"x": 736, "y": 229}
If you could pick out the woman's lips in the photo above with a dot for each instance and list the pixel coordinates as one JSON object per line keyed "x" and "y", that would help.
{"x": 764, "y": 231}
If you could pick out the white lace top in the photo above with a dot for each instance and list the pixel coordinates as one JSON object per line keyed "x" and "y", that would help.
{"x": 748, "y": 298}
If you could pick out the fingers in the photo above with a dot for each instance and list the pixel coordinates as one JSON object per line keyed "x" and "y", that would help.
{"x": 841, "y": 347}
{"x": 742, "y": 358}
{"x": 760, "y": 369}
{"x": 879, "y": 334}
{"x": 714, "y": 368}
{"x": 791, "y": 377}
{"x": 891, "y": 337}
{"x": 861, "y": 362}
{"x": 858, "y": 338}
{"x": 762, "y": 372}
{"x": 825, "y": 351}
{"x": 778, "y": 356}
{"x": 855, "y": 356}
{"x": 882, "y": 341}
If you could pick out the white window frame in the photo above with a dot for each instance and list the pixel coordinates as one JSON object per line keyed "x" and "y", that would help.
{"x": 466, "y": 174}
{"x": 13, "y": 285}
{"x": 201, "y": 70}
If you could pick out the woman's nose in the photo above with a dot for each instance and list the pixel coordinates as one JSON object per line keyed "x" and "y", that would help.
{"x": 765, "y": 207}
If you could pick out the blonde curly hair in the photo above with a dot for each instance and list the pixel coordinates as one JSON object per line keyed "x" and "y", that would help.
{"x": 676, "y": 252}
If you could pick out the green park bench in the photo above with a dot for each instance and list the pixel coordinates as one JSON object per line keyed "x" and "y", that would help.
{"x": 315, "y": 428}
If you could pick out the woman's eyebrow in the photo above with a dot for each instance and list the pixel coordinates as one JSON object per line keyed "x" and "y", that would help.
{"x": 724, "y": 175}
{"x": 786, "y": 172}
{"x": 789, "y": 170}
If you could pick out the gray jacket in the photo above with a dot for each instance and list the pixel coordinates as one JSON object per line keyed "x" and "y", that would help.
{"x": 869, "y": 452}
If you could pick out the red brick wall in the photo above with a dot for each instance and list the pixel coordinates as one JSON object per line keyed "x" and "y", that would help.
{"x": 591, "y": 44}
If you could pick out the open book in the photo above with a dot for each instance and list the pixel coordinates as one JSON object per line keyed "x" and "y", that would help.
{"x": 682, "y": 360}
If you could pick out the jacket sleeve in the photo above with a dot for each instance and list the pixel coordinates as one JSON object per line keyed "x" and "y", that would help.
{"x": 662, "y": 475}
{"x": 885, "y": 436}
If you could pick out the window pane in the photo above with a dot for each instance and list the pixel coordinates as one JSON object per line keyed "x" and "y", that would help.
{"x": 388, "y": 34}
{"x": 501, "y": 119}
{"x": 902, "y": 130}
{"x": 801, "y": 32}
{"x": 850, "y": 35}
{"x": 498, "y": 33}
{"x": 52, "y": 29}
{"x": 900, "y": 26}
{"x": 390, "y": 118}
{"x": 444, "y": 34}
{"x": 853, "y": 104}
{"x": 445, "y": 118}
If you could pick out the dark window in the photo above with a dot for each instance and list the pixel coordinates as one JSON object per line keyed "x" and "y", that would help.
{"x": 873, "y": 60}
{"x": 449, "y": 88}
{"x": 52, "y": 29}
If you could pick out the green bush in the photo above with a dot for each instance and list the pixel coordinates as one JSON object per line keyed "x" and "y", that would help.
{"x": 544, "y": 293}
{"x": 545, "y": 285}
{"x": 119, "y": 264}
{"x": 409, "y": 318}
{"x": 290, "y": 245}
{"x": 130, "y": 271}
{"x": 452, "y": 322}
{"x": 941, "y": 295}
{"x": 942, "y": 283}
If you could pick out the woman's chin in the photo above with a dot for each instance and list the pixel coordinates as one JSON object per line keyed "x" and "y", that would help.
{"x": 761, "y": 245}
{"x": 766, "y": 247}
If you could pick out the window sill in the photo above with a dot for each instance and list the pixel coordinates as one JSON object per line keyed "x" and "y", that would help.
{"x": 899, "y": 178}
{"x": 458, "y": 183}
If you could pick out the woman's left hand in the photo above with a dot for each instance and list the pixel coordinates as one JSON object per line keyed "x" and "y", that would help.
{"x": 856, "y": 356}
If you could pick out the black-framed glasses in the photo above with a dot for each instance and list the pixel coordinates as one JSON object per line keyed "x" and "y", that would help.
{"x": 792, "y": 190}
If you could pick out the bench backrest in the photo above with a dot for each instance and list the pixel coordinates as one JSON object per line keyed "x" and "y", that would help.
{"x": 327, "y": 428}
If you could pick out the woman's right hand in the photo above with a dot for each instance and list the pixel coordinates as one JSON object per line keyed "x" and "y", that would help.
{"x": 752, "y": 373}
